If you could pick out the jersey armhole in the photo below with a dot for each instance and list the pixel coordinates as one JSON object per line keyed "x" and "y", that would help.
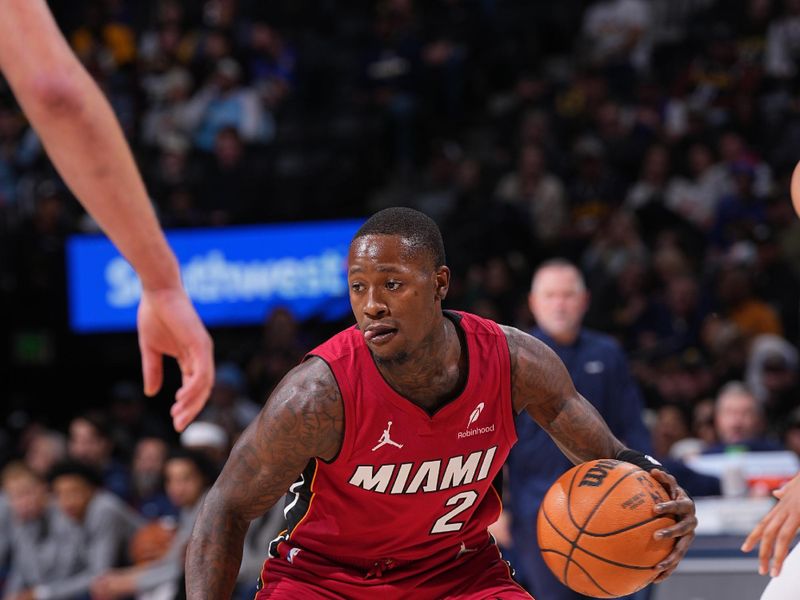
{"x": 348, "y": 418}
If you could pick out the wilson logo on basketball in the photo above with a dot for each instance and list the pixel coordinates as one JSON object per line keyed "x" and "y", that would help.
{"x": 595, "y": 476}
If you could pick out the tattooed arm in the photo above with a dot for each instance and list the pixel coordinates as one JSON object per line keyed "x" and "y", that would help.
{"x": 541, "y": 385}
{"x": 302, "y": 419}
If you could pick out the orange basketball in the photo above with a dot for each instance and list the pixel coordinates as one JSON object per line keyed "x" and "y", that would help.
{"x": 151, "y": 541}
{"x": 596, "y": 528}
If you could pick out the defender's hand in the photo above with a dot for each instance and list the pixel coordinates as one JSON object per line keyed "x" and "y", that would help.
{"x": 777, "y": 529}
{"x": 168, "y": 325}
{"x": 682, "y": 506}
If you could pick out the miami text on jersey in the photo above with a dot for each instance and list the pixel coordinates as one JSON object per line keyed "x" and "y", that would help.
{"x": 428, "y": 476}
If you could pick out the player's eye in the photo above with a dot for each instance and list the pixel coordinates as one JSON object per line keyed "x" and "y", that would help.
{"x": 356, "y": 286}
{"x": 392, "y": 285}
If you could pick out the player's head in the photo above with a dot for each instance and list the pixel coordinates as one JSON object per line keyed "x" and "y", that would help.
{"x": 397, "y": 279}
{"x": 74, "y": 485}
{"x": 558, "y": 299}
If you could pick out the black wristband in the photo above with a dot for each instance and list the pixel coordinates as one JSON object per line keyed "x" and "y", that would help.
{"x": 643, "y": 461}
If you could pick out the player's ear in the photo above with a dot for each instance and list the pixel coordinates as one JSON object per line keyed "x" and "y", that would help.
{"x": 442, "y": 282}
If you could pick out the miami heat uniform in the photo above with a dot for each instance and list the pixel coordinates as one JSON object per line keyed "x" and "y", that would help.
{"x": 402, "y": 510}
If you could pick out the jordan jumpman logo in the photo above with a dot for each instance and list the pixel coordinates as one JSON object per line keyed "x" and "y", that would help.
{"x": 385, "y": 439}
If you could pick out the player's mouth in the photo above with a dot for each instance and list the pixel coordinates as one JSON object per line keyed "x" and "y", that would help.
{"x": 379, "y": 334}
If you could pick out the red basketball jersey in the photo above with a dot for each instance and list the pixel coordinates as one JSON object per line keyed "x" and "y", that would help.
{"x": 406, "y": 486}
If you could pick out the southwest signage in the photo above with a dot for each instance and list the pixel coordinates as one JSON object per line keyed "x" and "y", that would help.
{"x": 234, "y": 275}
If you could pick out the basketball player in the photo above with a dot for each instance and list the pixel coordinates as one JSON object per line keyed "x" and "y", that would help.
{"x": 406, "y": 519}
{"x": 85, "y": 143}
{"x": 776, "y": 532}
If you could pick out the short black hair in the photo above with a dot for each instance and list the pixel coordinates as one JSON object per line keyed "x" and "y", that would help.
{"x": 419, "y": 229}
{"x": 77, "y": 469}
{"x": 201, "y": 462}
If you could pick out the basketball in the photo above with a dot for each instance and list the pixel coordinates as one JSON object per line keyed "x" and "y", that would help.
{"x": 596, "y": 527}
{"x": 151, "y": 541}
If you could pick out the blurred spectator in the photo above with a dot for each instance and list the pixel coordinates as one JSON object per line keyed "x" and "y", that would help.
{"x": 43, "y": 545}
{"x": 129, "y": 419}
{"x": 271, "y": 64}
{"x": 233, "y": 188}
{"x": 617, "y": 33}
{"x": 45, "y": 448}
{"x": 772, "y": 376}
{"x": 751, "y": 315}
{"x": 90, "y": 443}
{"x": 696, "y": 197}
{"x": 208, "y": 439}
{"x": 103, "y": 525}
{"x": 672, "y": 425}
{"x": 739, "y": 421}
{"x": 188, "y": 475}
{"x": 229, "y": 407}
{"x": 703, "y": 422}
{"x": 539, "y": 193}
{"x": 739, "y": 213}
{"x": 224, "y": 102}
{"x": 791, "y": 432}
{"x": 281, "y": 347}
{"x": 147, "y": 478}
{"x": 783, "y": 43}
{"x": 651, "y": 187}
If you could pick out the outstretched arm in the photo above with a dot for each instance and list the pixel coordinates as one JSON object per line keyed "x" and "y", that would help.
{"x": 302, "y": 419}
{"x": 85, "y": 142}
{"x": 541, "y": 385}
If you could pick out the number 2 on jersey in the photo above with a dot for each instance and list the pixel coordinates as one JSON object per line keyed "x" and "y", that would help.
{"x": 463, "y": 501}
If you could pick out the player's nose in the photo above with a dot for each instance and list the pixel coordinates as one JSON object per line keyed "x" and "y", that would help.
{"x": 375, "y": 306}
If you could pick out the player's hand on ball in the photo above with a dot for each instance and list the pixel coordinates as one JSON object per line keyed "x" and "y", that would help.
{"x": 777, "y": 529}
{"x": 168, "y": 324}
{"x": 682, "y": 506}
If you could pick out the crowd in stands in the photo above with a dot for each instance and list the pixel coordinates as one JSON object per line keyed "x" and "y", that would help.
{"x": 650, "y": 142}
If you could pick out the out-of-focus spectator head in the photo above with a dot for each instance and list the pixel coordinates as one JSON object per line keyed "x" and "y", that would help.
{"x": 127, "y": 403}
{"x": 738, "y": 416}
{"x": 771, "y": 367}
{"x": 264, "y": 38}
{"x": 228, "y": 148}
{"x": 89, "y": 440}
{"x": 187, "y": 475}
{"x": 229, "y": 384}
{"x": 701, "y": 158}
{"x": 26, "y": 491}
{"x": 682, "y": 295}
{"x": 558, "y": 299}
{"x": 227, "y": 74}
{"x": 703, "y": 421}
{"x": 74, "y": 484}
{"x": 45, "y": 448}
{"x": 531, "y": 162}
{"x": 656, "y": 165}
{"x": 590, "y": 154}
{"x": 208, "y": 439}
{"x": 672, "y": 425}
{"x": 734, "y": 286}
{"x": 280, "y": 328}
{"x": 147, "y": 466}
{"x": 791, "y": 432}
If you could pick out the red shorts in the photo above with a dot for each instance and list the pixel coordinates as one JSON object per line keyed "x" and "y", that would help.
{"x": 475, "y": 575}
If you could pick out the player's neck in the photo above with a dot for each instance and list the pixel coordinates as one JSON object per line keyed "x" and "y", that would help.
{"x": 434, "y": 372}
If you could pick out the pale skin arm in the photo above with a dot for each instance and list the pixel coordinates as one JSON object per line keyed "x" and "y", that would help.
{"x": 777, "y": 529}
{"x": 302, "y": 419}
{"x": 86, "y": 144}
{"x": 542, "y": 387}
